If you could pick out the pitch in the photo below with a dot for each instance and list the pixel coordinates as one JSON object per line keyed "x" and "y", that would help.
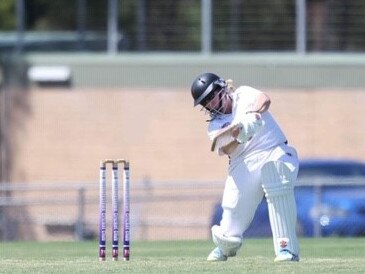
{"x": 322, "y": 255}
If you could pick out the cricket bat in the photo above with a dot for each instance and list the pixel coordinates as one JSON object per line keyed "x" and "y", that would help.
{"x": 223, "y": 137}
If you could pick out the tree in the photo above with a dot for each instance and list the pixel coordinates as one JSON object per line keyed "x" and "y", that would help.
{"x": 7, "y": 15}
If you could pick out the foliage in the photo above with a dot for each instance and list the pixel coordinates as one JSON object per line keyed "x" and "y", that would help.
{"x": 50, "y": 15}
{"x": 7, "y": 11}
{"x": 176, "y": 24}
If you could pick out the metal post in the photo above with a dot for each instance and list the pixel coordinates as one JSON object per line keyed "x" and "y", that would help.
{"x": 79, "y": 229}
{"x": 206, "y": 26}
{"x": 81, "y": 23}
{"x": 141, "y": 22}
{"x": 317, "y": 229}
{"x": 4, "y": 133}
{"x": 20, "y": 20}
{"x": 234, "y": 25}
{"x": 301, "y": 28}
{"x": 112, "y": 27}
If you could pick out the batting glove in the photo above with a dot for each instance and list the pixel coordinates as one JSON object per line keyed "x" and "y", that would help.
{"x": 249, "y": 126}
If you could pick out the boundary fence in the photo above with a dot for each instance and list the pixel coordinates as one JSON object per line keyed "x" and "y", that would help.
{"x": 159, "y": 210}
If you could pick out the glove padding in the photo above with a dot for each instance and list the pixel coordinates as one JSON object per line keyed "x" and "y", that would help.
{"x": 249, "y": 126}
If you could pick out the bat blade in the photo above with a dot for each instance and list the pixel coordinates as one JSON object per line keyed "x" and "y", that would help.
{"x": 223, "y": 137}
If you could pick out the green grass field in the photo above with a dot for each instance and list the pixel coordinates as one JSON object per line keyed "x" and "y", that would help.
{"x": 327, "y": 255}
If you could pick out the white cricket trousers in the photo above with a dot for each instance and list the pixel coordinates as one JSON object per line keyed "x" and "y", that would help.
{"x": 243, "y": 190}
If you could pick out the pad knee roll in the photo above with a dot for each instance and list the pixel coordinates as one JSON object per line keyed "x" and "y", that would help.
{"x": 276, "y": 176}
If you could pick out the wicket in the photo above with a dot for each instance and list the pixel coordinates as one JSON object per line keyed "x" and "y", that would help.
{"x": 115, "y": 209}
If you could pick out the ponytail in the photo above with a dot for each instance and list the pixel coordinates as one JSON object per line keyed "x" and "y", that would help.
{"x": 230, "y": 86}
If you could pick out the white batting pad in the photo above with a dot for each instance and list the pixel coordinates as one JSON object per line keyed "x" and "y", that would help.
{"x": 277, "y": 182}
{"x": 228, "y": 245}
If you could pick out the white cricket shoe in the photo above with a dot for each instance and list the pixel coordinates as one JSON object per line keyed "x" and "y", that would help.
{"x": 286, "y": 256}
{"x": 216, "y": 256}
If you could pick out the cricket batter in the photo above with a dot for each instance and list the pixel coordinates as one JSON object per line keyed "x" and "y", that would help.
{"x": 260, "y": 163}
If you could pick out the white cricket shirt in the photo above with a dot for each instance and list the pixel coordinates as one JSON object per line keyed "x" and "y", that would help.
{"x": 268, "y": 136}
